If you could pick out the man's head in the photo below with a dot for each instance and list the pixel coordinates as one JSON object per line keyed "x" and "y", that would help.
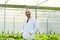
{"x": 27, "y": 13}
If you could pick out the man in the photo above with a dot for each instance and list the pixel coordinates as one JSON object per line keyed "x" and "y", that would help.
{"x": 30, "y": 26}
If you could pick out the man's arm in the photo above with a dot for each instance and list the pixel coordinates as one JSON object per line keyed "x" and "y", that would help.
{"x": 36, "y": 27}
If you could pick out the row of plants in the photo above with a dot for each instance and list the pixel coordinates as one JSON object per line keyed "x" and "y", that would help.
{"x": 5, "y": 36}
{"x": 47, "y": 37}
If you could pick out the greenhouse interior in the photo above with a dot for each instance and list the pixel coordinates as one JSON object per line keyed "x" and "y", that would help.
{"x": 46, "y": 12}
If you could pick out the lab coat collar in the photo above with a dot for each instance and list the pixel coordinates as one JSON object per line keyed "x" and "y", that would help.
{"x": 29, "y": 20}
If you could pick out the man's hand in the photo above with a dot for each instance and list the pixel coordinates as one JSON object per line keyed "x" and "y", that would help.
{"x": 22, "y": 33}
{"x": 30, "y": 33}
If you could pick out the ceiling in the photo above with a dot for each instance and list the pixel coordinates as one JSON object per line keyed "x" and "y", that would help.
{"x": 50, "y": 3}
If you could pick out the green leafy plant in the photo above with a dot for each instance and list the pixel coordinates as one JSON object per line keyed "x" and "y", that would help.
{"x": 4, "y": 36}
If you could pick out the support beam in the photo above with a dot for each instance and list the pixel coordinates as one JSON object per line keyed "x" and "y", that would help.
{"x": 31, "y": 7}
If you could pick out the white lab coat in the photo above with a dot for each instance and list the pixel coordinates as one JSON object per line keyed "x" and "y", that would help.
{"x": 30, "y": 27}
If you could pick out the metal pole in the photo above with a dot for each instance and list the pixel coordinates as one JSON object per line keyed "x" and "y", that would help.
{"x": 37, "y": 7}
{"x": 54, "y": 13}
{"x": 13, "y": 24}
{"x": 36, "y": 12}
{"x": 5, "y": 15}
{"x": 48, "y": 21}
{"x": 47, "y": 25}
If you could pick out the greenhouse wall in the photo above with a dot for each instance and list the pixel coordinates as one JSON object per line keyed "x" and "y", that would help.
{"x": 12, "y": 19}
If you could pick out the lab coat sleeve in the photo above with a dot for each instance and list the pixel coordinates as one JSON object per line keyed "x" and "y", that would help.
{"x": 36, "y": 27}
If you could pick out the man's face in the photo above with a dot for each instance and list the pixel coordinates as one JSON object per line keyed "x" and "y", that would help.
{"x": 27, "y": 13}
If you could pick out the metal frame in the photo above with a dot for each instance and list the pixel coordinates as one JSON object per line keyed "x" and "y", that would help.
{"x": 30, "y": 7}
